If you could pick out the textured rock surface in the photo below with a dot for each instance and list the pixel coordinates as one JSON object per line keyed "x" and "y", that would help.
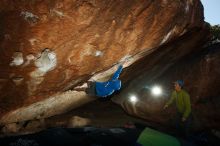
{"x": 47, "y": 47}
{"x": 200, "y": 72}
{"x": 90, "y": 114}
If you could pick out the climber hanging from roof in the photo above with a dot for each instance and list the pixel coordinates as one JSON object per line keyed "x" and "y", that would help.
{"x": 103, "y": 89}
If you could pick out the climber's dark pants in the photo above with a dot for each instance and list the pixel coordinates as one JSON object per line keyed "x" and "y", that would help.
{"x": 91, "y": 90}
{"x": 183, "y": 128}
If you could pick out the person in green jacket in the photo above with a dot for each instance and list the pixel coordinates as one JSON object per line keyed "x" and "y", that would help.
{"x": 183, "y": 106}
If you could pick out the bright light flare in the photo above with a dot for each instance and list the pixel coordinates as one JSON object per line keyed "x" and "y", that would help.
{"x": 156, "y": 91}
{"x": 133, "y": 99}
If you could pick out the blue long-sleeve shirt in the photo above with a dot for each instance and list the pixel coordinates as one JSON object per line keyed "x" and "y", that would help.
{"x": 117, "y": 73}
{"x": 104, "y": 89}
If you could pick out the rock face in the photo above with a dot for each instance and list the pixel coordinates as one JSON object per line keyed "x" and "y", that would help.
{"x": 200, "y": 72}
{"x": 48, "y": 47}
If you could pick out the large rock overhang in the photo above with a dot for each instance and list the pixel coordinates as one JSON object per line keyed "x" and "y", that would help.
{"x": 49, "y": 47}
